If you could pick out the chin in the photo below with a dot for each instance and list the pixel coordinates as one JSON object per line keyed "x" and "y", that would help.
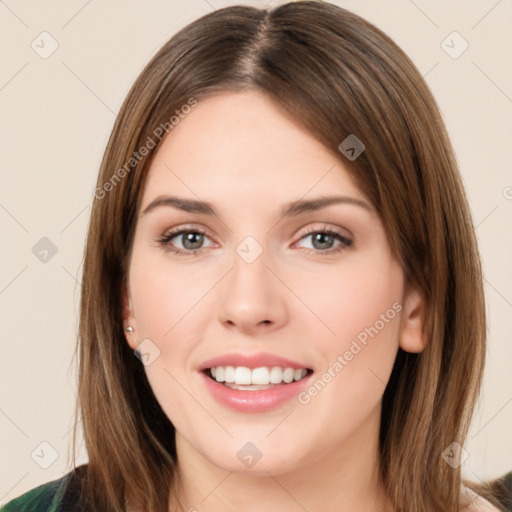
{"x": 256, "y": 458}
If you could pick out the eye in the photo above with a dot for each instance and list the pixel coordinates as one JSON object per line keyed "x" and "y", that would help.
{"x": 187, "y": 241}
{"x": 191, "y": 241}
{"x": 326, "y": 241}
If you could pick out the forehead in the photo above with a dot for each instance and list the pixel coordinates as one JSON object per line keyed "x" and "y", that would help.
{"x": 242, "y": 146}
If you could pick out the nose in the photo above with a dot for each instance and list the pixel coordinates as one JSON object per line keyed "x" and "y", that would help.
{"x": 253, "y": 299}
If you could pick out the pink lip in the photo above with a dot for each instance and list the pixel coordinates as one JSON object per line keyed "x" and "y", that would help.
{"x": 254, "y": 401}
{"x": 251, "y": 361}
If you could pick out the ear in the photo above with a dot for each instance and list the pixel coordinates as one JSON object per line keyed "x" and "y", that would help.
{"x": 412, "y": 337}
{"x": 128, "y": 317}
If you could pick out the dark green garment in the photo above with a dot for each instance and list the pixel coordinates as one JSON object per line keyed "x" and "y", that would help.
{"x": 62, "y": 495}
{"x": 59, "y": 495}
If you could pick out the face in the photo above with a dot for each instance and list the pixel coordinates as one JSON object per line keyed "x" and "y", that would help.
{"x": 261, "y": 286}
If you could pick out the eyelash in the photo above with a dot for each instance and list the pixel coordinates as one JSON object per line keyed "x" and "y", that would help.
{"x": 164, "y": 241}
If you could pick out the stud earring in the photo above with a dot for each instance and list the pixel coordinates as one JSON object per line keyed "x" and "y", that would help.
{"x": 129, "y": 329}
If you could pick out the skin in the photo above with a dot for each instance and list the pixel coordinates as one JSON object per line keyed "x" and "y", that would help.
{"x": 239, "y": 152}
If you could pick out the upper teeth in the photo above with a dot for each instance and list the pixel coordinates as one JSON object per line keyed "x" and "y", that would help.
{"x": 263, "y": 375}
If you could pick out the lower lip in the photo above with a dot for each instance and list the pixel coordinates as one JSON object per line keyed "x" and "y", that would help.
{"x": 254, "y": 401}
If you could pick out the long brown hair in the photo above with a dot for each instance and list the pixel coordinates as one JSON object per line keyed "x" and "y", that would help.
{"x": 337, "y": 75}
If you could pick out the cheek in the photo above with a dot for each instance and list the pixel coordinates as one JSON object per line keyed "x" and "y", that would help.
{"x": 359, "y": 307}
{"x": 169, "y": 303}
{"x": 164, "y": 295}
{"x": 166, "y": 301}
{"x": 348, "y": 300}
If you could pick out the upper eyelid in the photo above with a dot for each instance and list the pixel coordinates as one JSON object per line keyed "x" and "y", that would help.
{"x": 186, "y": 229}
{"x": 321, "y": 225}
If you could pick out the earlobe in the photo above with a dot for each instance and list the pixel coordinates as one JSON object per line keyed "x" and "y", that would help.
{"x": 129, "y": 324}
{"x": 412, "y": 337}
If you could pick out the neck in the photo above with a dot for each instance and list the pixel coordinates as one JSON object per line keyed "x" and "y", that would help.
{"x": 340, "y": 480}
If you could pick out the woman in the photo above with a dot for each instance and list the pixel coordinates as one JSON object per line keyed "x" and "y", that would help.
{"x": 281, "y": 237}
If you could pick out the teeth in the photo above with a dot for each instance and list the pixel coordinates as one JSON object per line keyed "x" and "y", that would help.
{"x": 229, "y": 374}
{"x": 243, "y": 376}
{"x": 260, "y": 376}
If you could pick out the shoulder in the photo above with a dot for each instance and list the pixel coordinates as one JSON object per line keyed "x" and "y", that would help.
{"x": 48, "y": 497}
{"x": 39, "y": 499}
{"x": 476, "y": 502}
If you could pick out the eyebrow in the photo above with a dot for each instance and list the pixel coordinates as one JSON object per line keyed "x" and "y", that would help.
{"x": 292, "y": 209}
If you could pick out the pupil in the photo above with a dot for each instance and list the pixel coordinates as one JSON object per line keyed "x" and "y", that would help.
{"x": 189, "y": 237}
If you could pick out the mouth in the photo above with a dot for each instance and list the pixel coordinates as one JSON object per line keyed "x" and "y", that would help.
{"x": 244, "y": 378}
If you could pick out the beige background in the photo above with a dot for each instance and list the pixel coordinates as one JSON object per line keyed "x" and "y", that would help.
{"x": 56, "y": 116}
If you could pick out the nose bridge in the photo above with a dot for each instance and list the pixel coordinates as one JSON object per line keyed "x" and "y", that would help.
{"x": 250, "y": 264}
{"x": 252, "y": 296}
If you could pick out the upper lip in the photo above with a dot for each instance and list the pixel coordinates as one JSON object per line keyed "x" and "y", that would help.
{"x": 251, "y": 361}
